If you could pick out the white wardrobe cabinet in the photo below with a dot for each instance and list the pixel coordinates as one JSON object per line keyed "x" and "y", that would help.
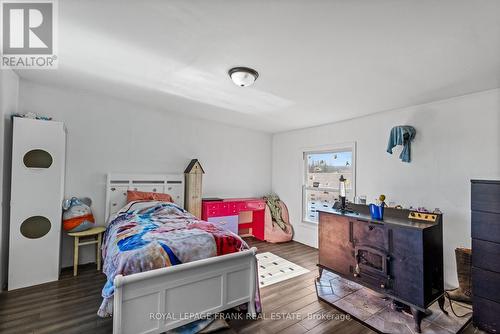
{"x": 38, "y": 156}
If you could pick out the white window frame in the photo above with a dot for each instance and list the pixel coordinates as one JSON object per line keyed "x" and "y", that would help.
{"x": 326, "y": 149}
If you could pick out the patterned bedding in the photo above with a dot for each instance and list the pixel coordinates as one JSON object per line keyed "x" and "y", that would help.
{"x": 150, "y": 235}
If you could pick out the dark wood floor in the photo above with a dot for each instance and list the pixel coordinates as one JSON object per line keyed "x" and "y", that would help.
{"x": 70, "y": 304}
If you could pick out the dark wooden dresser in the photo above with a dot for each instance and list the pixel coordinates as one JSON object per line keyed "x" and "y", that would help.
{"x": 485, "y": 226}
{"x": 400, "y": 257}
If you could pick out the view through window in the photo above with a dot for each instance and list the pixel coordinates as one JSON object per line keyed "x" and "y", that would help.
{"x": 321, "y": 180}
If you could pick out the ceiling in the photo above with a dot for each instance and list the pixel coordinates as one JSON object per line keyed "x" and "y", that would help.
{"x": 319, "y": 61}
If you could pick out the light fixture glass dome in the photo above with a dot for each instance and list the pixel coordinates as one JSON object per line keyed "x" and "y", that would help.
{"x": 243, "y": 76}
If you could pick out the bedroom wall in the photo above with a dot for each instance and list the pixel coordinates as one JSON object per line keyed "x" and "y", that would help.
{"x": 9, "y": 89}
{"x": 110, "y": 135}
{"x": 457, "y": 139}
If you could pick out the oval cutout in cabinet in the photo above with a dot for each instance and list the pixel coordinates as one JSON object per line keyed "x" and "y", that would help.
{"x": 37, "y": 159}
{"x": 35, "y": 227}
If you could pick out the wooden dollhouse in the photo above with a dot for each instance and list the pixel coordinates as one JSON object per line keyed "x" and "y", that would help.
{"x": 194, "y": 174}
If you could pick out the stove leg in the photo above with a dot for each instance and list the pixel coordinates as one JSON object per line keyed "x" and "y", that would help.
{"x": 417, "y": 316}
{"x": 320, "y": 273}
{"x": 441, "y": 301}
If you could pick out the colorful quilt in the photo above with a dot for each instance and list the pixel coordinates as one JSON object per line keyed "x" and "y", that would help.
{"x": 151, "y": 235}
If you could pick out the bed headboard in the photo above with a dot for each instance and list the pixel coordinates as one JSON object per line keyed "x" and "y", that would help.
{"x": 118, "y": 184}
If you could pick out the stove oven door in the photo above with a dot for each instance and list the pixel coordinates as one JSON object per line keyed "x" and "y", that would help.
{"x": 372, "y": 266}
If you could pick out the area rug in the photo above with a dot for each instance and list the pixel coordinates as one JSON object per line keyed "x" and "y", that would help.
{"x": 273, "y": 269}
{"x": 375, "y": 310}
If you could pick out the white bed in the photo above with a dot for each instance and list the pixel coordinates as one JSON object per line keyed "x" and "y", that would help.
{"x": 162, "y": 299}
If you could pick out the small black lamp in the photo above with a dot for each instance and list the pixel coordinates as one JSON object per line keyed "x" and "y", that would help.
{"x": 342, "y": 192}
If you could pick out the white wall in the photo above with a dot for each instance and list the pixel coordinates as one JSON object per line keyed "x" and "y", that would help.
{"x": 457, "y": 139}
{"x": 110, "y": 135}
{"x": 9, "y": 89}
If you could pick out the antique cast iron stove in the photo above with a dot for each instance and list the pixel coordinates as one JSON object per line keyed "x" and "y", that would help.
{"x": 401, "y": 257}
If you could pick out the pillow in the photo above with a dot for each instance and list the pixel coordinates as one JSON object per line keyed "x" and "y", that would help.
{"x": 133, "y": 195}
{"x": 139, "y": 205}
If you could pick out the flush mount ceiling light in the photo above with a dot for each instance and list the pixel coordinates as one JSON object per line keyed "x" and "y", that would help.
{"x": 243, "y": 76}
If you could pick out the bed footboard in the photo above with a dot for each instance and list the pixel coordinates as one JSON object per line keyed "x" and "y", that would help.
{"x": 162, "y": 299}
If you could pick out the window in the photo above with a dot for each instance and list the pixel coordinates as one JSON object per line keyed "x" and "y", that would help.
{"x": 322, "y": 170}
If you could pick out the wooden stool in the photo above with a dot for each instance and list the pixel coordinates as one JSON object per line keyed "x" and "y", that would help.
{"x": 94, "y": 231}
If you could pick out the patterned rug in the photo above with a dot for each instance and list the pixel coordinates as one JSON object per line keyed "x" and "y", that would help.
{"x": 273, "y": 269}
{"x": 375, "y": 310}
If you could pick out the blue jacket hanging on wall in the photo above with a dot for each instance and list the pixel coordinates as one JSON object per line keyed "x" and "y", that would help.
{"x": 401, "y": 135}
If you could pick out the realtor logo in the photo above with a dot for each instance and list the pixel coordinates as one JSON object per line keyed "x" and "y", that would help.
{"x": 28, "y": 34}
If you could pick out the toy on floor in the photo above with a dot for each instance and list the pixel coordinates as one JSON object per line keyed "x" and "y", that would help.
{"x": 77, "y": 216}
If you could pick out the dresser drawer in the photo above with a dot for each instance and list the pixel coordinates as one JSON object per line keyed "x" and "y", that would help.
{"x": 486, "y": 255}
{"x": 486, "y": 284}
{"x": 485, "y": 226}
{"x": 485, "y": 196}
{"x": 212, "y": 209}
{"x": 213, "y": 205}
{"x": 213, "y": 213}
{"x": 256, "y": 205}
{"x": 485, "y": 314}
{"x": 233, "y": 208}
{"x": 224, "y": 208}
